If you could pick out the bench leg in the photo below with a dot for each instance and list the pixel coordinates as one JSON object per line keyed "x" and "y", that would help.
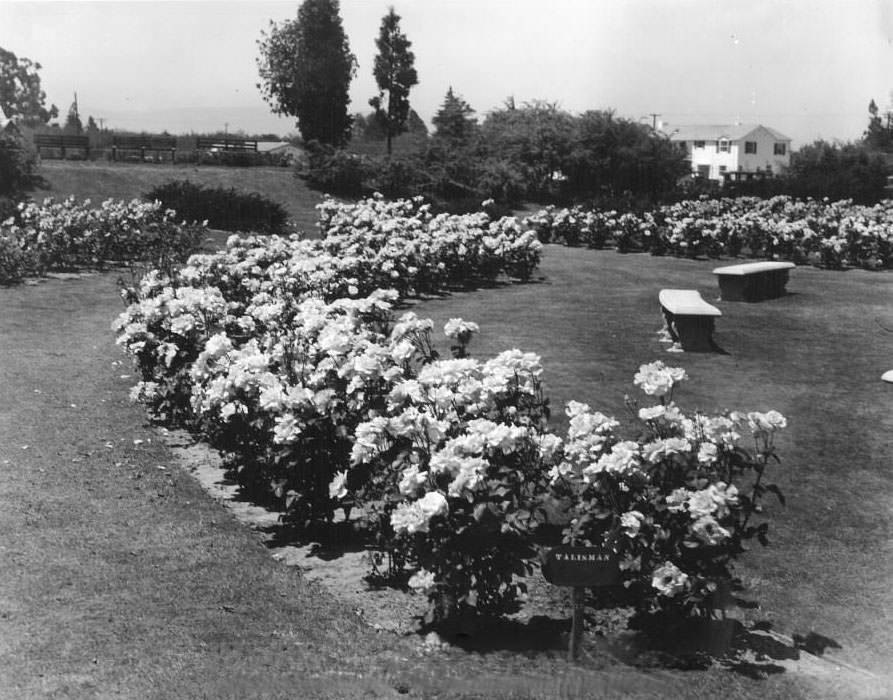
{"x": 671, "y": 326}
{"x": 732, "y": 288}
{"x": 753, "y": 287}
{"x": 695, "y": 333}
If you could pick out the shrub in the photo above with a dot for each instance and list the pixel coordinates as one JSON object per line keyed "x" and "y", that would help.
{"x": 833, "y": 234}
{"x": 70, "y": 235}
{"x": 847, "y": 171}
{"x": 676, "y": 503}
{"x": 222, "y": 208}
{"x": 460, "y": 462}
{"x": 18, "y": 163}
{"x": 335, "y": 171}
{"x": 285, "y": 355}
{"x": 14, "y": 261}
{"x": 398, "y": 176}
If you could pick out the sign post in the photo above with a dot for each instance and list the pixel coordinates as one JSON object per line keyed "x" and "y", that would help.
{"x": 580, "y": 568}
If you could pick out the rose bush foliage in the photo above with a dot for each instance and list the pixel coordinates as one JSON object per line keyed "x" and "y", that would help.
{"x": 833, "y": 234}
{"x": 676, "y": 503}
{"x": 69, "y": 235}
{"x": 288, "y": 356}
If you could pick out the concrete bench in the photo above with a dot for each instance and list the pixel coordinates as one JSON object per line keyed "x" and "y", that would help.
{"x": 690, "y": 319}
{"x": 753, "y": 281}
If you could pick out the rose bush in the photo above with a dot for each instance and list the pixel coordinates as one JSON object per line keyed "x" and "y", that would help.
{"x": 460, "y": 459}
{"x": 676, "y": 504}
{"x": 71, "y": 235}
{"x": 833, "y": 234}
{"x": 286, "y": 355}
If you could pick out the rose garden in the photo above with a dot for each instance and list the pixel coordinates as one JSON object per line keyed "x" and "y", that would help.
{"x": 297, "y": 360}
{"x": 538, "y": 404}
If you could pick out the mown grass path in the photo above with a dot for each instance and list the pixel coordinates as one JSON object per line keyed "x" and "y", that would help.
{"x": 120, "y": 578}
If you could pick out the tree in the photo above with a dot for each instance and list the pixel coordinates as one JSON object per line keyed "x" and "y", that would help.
{"x": 837, "y": 171}
{"x": 73, "y": 124}
{"x": 454, "y": 120}
{"x": 415, "y": 124}
{"x": 21, "y": 99}
{"x": 306, "y": 67}
{"x": 877, "y": 135}
{"x": 22, "y": 102}
{"x": 534, "y": 140}
{"x": 613, "y": 156}
{"x": 394, "y": 74}
{"x": 92, "y": 127}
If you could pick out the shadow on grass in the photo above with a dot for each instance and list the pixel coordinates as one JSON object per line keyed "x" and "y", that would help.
{"x": 750, "y": 652}
{"x": 814, "y": 643}
{"x": 718, "y": 349}
{"x": 328, "y": 541}
{"x": 488, "y": 635}
{"x": 483, "y": 283}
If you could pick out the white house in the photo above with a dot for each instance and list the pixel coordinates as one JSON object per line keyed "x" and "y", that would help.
{"x": 736, "y": 151}
{"x": 281, "y": 148}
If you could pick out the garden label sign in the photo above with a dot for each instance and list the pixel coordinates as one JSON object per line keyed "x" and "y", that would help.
{"x": 580, "y": 568}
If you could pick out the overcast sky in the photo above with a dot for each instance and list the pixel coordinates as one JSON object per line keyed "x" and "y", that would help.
{"x": 805, "y": 67}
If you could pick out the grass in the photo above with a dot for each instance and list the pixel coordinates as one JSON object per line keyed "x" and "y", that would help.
{"x": 816, "y": 355}
{"x": 123, "y": 579}
{"x": 98, "y": 181}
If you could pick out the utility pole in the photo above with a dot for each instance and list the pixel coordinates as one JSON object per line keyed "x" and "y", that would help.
{"x": 654, "y": 116}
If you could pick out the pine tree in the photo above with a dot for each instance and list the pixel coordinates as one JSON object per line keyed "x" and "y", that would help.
{"x": 877, "y": 135}
{"x": 454, "y": 120}
{"x": 394, "y": 74}
{"x": 73, "y": 123}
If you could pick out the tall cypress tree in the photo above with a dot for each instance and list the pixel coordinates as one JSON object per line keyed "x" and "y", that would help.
{"x": 306, "y": 67}
{"x": 395, "y": 74}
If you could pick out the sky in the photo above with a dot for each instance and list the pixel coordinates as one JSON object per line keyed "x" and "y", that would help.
{"x": 807, "y": 68}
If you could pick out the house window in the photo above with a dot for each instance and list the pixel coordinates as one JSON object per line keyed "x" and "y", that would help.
{"x": 699, "y": 144}
{"x": 750, "y": 147}
{"x": 781, "y": 149}
{"x": 722, "y": 169}
{"x": 681, "y": 145}
{"x": 722, "y": 146}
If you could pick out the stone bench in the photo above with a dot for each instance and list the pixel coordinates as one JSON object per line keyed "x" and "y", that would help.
{"x": 753, "y": 281}
{"x": 690, "y": 319}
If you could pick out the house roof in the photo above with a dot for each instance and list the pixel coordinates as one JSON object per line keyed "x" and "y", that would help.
{"x": 270, "y": 146}
{"x": 715, "y": 132}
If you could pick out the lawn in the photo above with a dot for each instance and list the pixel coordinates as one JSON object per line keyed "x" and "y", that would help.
{"x": 815, "y": 355}
{"x": 98, "y": 180}
{"x": 122, "y": 578}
